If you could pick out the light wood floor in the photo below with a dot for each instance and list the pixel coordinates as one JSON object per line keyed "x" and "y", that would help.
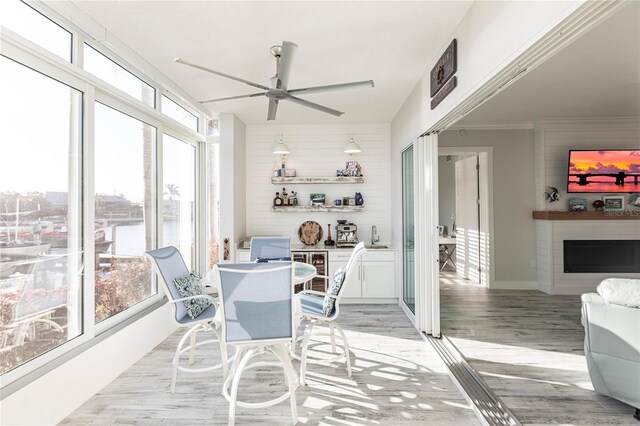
{"x": 525, "y": 350}
{"x": 397, "y": 379}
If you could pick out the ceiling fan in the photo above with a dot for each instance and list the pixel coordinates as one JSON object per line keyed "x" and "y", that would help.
{"x": 278, "y": 83}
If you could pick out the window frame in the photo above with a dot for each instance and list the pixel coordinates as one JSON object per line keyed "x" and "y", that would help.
{"x": 25, "y": 52}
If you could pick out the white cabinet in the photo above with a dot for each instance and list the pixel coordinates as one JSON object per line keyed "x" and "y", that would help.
{"x": 373, "y": 278}
{"x": 378, "y": 279}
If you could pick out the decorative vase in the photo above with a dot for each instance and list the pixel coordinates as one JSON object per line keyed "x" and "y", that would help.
{"x": 359, "y": 199}
{"x": 329, "y": 241}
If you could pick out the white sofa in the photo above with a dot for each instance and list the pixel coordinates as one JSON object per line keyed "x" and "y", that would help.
{"x": 611, "y": 320}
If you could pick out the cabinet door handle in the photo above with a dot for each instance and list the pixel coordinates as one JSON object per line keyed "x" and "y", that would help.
{"x": 359, "y": 272}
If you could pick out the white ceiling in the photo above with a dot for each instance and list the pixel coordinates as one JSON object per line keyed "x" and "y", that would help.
{"x": 388, "y": 42}
{"x": 598, "y": 75}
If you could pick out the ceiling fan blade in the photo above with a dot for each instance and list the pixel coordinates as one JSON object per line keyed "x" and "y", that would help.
{"x": 253, "y": 95}
{"x": 286, "y": 58}
{"x": 273, "y": 108}
{"x": 314, "y": 106}
{"x": 189, "y": 64}
{"x": 332, "y": 87}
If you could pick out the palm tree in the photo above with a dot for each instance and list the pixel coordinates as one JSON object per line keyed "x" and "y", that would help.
{"x": 172, "y": 191}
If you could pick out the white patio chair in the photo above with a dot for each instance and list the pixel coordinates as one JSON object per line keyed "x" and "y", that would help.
{"x": 311, "y": 305}
{"x": 256, "y": 301}
{"x": 169, "y": 264}
{"x": 270, "y": 248}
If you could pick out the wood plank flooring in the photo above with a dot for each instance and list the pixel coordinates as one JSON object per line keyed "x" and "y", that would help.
{"x": 398, "y": 379}
{"x": 528, "y": 351}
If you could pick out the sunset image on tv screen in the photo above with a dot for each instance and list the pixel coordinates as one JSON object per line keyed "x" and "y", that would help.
{"x": 604, "y": 171}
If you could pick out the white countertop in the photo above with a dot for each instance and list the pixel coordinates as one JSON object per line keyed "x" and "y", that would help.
{"x": 321, "y": 247}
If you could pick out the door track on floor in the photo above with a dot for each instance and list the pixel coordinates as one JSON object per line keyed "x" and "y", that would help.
{"x": 485, "y": 403}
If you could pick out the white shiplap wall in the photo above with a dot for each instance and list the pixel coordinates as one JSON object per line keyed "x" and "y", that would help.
{"x": 317, "y": 150}
{"x": 554, "y": 139}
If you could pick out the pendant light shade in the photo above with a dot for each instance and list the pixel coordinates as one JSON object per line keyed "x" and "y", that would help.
{"x": 281, "y": 148}
{"x": 352, "y": 147}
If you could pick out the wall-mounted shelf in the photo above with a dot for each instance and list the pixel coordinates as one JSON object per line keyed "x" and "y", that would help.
{"x": 558, "y": 215}
{"x": 300, "y": 179}
{"x": 307, "y": 209}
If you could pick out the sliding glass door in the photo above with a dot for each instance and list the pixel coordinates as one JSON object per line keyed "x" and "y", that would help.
{"x": 408, "y": 267}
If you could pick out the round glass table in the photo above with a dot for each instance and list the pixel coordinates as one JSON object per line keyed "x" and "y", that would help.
{"x": 302, "y": 273}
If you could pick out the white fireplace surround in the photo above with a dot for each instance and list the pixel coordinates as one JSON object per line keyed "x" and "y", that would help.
{"x": 554, "y": 139}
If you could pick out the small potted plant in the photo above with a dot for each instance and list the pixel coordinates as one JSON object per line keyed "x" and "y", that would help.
{"x": 598, "y": 205}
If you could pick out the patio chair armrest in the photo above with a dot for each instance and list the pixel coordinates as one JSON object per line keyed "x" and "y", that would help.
{"x": 197, "y": 296}
{"x": 318, "y": 293}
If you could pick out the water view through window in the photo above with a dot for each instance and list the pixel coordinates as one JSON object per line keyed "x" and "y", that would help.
{"x": 124, "y": 210}
{"x": 40, "y": 216}
{"x": 179, "y": 197}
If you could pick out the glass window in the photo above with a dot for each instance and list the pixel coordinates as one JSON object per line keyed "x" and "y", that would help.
{"x": 408, "y": 237}
{"x": 178, "y": 113}
{"x": 179, "y": 197}
{"x": 40, "y": 219}
{"x": 104, "y": 68}
{"x": 33, "y": 26}
{"x": 124, "y": 210}
{"x": 213, "y": 191}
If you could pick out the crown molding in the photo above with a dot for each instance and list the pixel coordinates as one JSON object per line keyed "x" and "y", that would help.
{"x": 514, "y": 125}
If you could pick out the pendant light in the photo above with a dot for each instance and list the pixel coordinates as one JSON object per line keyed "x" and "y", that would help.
{"x": 281, "y": 148}
{"x": 352, "y": 147}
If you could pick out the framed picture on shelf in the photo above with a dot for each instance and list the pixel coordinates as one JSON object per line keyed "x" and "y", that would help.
{"x": 577, "y": 204}
{"x": 613, "y": 203}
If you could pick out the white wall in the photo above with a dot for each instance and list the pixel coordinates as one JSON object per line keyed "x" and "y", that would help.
{"x": 317, "y": 150}
{"x": 446, "y": 191}
{"x": 233, "y": 181}
{"x": 55, "y": 395}
{"x": 490, "y": 36}
{"x": 513, "y": 201}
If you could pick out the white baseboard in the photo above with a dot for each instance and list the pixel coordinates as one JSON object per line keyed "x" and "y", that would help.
{"x": 52, "y": 397}
{"x": 514, "y": 285}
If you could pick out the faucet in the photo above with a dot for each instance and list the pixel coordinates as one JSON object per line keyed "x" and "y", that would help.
{"x": 374, "y": 235}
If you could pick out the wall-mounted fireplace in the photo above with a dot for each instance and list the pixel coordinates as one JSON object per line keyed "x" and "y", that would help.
{"x": 612, "y": 256}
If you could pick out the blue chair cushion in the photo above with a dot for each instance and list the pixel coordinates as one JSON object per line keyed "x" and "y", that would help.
{"x": 334, "y": 288}
{"x": 207, "y": 314}
{"x": 191, "y": 286}
{"x": 312, "y": 304}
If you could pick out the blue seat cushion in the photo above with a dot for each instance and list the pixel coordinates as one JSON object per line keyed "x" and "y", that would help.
{"x": 190, "y": 286}
{"x": 312, "y": 304}
{"x": 207, "y": 314}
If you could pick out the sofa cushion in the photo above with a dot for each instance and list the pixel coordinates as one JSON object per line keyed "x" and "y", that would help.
{"x": 621, "y": 291}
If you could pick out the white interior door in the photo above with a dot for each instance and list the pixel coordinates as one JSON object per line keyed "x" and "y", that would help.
{"x": 467, "y": 219}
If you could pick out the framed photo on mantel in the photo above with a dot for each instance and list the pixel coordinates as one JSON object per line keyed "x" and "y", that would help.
{"x": 613, "y": 203}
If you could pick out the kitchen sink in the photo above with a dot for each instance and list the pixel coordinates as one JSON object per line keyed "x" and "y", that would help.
{"x": 376, "y": 247}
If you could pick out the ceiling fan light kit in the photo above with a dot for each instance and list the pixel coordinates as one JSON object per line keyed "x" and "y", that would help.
{"x": 279, "y": 84}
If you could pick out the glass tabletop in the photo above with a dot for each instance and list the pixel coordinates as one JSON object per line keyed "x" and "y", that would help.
{"x": 303, "y": 272}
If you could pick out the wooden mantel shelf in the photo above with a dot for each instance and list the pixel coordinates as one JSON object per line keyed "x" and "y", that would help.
{"x": 556, "y": 215}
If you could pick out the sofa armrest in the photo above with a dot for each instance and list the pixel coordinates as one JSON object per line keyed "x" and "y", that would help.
{"x": 611, "y": 329}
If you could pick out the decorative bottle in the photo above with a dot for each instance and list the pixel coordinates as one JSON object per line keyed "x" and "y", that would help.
{"x": 277, "y": 201}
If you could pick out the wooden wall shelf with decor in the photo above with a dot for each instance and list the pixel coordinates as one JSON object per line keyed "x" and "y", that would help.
{"x": 300, "y": 179}
{"x": 307, "y": 209}
{"x": 558, "y": 215}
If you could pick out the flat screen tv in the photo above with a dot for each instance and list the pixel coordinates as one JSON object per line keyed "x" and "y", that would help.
{"x": 604, "y": 171}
